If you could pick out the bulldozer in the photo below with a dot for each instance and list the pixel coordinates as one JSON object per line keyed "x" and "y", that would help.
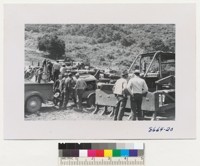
{"x": 158, "y": 70}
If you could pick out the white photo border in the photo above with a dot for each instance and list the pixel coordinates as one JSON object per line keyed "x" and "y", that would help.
{"x": 15, "y": 18}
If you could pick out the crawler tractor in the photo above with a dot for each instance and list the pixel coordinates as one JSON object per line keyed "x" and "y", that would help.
{"x": 158, "y": 70}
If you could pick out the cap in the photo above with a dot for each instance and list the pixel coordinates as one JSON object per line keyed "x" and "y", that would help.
{"x": 77, "y": 74}
{"x": 137, "y": 71}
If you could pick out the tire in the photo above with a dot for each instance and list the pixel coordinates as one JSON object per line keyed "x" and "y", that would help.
{"x": 91, "y": 100}
{"x": 33, "y": 104}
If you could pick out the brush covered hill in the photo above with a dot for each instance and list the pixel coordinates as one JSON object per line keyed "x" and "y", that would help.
{"x": 101, "y": 45}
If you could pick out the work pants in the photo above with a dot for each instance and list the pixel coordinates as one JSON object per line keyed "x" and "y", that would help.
{"x": 79, "y": 93}
{"x": 62, "y": 99}
{"x": 136, "y": 103}
{"x": 55, "y": 75}
{"x": 120, "y": 107}
{"x": 73, "y": 96}
{"x": 66, "y": 98}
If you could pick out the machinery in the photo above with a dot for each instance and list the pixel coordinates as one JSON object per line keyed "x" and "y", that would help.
{"x": 158, "y": 70}
{"x": 89, "y": 93}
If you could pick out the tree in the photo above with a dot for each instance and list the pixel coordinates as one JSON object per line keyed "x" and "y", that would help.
{"x": 53, "y": 45}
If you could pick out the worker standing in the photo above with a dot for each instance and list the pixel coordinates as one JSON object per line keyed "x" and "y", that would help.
{"x": 58, "y": 91}
{"x": 121, "y": 95}
{"x": 67, "y": 89}
{"x": 56, "y": 70}
{"x": 137, "y": 87}
{"x": 73, "y": 93}
{"x": 63, "y": 69}
{"x": 80, "y": 88}
{"x": 49, "y": 70}
{"x": 39, "y": 76}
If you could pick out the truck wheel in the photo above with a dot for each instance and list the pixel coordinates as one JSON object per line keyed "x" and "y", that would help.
{"x": 33, "y": 104}
{"x": 91, "y": 100}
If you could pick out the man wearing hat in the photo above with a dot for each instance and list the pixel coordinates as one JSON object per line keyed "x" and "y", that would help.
{"x": 137, "y": 87}
{"x": 67, "y": 89}
{"x": 63, "y": 69}
{"x": 121, "y": 96}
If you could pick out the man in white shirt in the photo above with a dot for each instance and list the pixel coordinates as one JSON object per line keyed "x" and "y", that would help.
{"x": 119, "y": 91}
{"x": 137, "y": 87}
{"x": 63, "y": 69}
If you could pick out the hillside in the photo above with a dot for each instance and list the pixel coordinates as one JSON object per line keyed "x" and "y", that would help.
{"x": 103, "y": 45}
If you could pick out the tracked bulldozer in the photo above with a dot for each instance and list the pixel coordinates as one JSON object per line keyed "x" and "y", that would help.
{"x": 158, "y": 70}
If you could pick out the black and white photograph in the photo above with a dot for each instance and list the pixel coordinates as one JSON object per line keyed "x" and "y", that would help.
{"x": 110, "y": 72}
{"x": 80, "y": 73}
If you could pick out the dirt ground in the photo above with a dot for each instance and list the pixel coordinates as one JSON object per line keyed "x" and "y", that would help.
{"x": 49, "y": 112}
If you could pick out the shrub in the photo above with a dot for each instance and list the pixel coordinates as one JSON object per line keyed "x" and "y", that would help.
{"x": 53, "y": 45}
{"x": 127, "y": 41}
{"x": 158, "y": 45}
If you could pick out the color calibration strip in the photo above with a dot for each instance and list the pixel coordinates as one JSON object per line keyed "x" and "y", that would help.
{"x": 101, "y": 154}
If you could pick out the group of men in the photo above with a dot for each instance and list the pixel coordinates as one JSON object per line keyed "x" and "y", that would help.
{"x": 67, "y": 86}
{"x": 136, "y": 87}
{"x": 50, "y": 70}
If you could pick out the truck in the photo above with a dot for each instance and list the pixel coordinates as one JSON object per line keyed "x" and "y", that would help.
{"x": 36, "y": 94}
{"x": 158, "y": 70}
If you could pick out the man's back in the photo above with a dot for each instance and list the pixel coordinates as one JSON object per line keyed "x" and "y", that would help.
{"x": 80, "y": 84}
{"x": 68, "y": 83}
{"x": 119, "y": 86}
{"x": 137, "y": 85}
{"x": 63, "y": 70}
{"x": 56, "y": 66}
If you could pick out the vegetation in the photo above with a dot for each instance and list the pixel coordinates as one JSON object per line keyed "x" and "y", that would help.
{"x": 53, "y": 45}
{"x": 103, "y": 45}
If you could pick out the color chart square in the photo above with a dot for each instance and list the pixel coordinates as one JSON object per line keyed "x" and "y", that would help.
{"x": 124, "y": 153}
{"x": 83, "y": 153}
{"x": 99, "y": 153}
{"x": 140, "y": 152}
{"x": 74, "y": 153}
{"x": 116, "y": 153}
{"x": 107, "y": 153}
{"x": 66, "y": 152}
{"x": 91, "y": 153}
{"x": 133, "y": 153}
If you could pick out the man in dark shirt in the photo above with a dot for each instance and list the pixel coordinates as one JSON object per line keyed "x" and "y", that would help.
{"x": 58, "y": 91}
{"x": 67, "y": 90}
{"x": 56, "y": 70}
